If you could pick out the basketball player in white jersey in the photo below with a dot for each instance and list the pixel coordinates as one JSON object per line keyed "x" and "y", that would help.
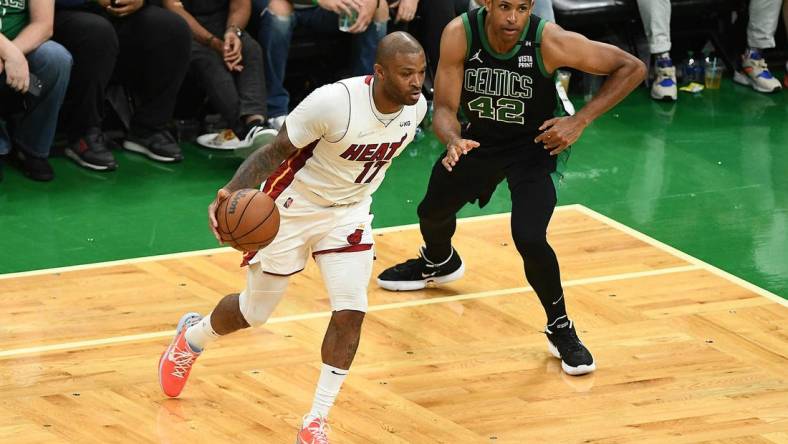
{"x": 330, "y": 156}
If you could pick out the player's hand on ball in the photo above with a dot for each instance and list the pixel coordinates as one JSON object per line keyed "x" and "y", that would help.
{"x": 560, "y": 133}
{"x": 221, "y": 195}
{"x": 456, "y": 148}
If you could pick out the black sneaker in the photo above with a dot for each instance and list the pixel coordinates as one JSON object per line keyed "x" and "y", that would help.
{"x": 36, "y": 168}
{"x": 563, "y": 343}
{"x": 157, "y": 145}
{"x": 90, "y": 151}
{"x": 415, "y": 274}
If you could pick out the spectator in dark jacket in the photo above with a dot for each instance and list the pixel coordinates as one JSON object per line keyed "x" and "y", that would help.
{"x": 145, "y": 47}
{"x": 229, "y": 64}
{"x": 34, "y": 73}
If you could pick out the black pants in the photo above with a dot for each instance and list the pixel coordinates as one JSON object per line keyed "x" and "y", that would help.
{"x": 433, "y": 16}
{"x": 533, "y": 201}
{"x": 233, "y": 94}
{"x": 147, "y": 50}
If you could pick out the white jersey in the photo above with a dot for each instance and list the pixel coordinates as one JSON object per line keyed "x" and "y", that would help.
{"x": 345, "y": 144}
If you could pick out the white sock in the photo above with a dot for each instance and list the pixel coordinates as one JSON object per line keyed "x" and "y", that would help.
{"x": 200, "y": 334}
{"x": 331, "y": 379}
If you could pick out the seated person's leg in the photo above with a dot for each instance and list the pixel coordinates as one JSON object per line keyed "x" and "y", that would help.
{"x": 275, "y": 32}
{"x": 155, "y": 47}
{"x": 7, "y": 98}
{"x": 364, "y": 44}
{"x": 220, "y": 88}
{"x": 435, "y": 16}
{"x": 365, "y": 47}
{"x": 93, "y": 44}
{"x": 754, "y": 72}
{"x": 656, "y": 22}
{"x": 250, "y": 84}
{"x": 35, "y": 130}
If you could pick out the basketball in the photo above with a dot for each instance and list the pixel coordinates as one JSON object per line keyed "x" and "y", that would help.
{"x": 248, "y": 220}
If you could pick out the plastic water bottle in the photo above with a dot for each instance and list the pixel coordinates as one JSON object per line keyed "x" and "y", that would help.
{"x": 693, "y": 70}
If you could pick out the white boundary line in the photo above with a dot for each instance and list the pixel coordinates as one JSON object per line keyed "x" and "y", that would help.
{"x": 680, "y": 254}
{"x": 164, "y": 257}
{"x": 324, "y": 314}
{"x": 696, "y": 264}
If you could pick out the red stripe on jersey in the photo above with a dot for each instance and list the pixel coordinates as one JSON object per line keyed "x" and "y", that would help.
{"x": 348, "y": 249}
{"x": 283, "y": 176}
{"x": 368, "y": 80}
{"x": 247, "y": 257}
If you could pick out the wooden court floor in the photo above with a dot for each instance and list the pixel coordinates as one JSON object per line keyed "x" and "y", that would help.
{"x": 685, "y": 352}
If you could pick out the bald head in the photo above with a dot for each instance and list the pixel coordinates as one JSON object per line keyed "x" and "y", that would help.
{"x": 396, "y": 43}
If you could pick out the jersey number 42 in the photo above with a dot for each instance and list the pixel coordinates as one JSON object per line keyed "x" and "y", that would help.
{"x": 506, "y": 109}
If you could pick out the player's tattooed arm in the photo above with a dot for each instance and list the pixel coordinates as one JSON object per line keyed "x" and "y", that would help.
{"x": 252, "y": 172}
{"x": 260, "y": 164}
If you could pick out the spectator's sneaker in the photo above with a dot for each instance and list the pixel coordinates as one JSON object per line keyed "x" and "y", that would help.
{"x": 277, "y": 122}
{"x": 260, "y": 135}
{"x": 755, "y": 73}
{"x": 563, "y": 343}
{"x": 257, "y": 136}
{"x": 315, "y": 432}
{"x": 90, "y": 151}
{"x": 36, "y": 168}
{"x": 664, "y": 84}
{"x": 157, "y": 145}
{"x": 415, "y": 274}
{"x": 223, "y": 140}
{"x": 176, "y": 362}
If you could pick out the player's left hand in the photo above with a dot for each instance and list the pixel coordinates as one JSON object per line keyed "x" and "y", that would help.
{"x": 559, "y": 133}
{"x": 221, "y": 195}
{"x": 455, "y": 149}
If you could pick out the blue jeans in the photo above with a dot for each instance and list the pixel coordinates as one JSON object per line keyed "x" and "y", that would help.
{"x": 277, "y": 31}
{"x": 34, "y": 128}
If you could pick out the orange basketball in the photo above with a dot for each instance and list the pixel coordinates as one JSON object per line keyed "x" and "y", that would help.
{"x": 248, "y": 220}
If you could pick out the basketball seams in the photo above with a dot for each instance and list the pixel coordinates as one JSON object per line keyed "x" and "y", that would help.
{"x": 218, "y": 214}
{"x": 241, "y": 216}
{"x": 234, "y": 240}
{"x": 273, "y": 207}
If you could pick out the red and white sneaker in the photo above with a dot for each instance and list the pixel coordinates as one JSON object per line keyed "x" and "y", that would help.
{"x": 176, "y": 362}
{"x": 316, "y": 432}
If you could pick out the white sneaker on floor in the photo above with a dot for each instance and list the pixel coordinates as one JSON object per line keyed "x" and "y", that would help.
{"x": 664, "y": 85}
{"x": 223, "y": 140}
{"x": 258, "y": 136}
{"x": 756, "y": 73}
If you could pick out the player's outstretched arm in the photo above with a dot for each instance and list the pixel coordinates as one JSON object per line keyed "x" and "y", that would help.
{"x": 253, "y": 171}
{"x": 625, "y": 71}
{"x": 448, "y": 87}
{"x": 561, "y": 48}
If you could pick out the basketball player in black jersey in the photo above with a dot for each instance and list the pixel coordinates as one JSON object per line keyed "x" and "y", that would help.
{"x": 497, "y": 66}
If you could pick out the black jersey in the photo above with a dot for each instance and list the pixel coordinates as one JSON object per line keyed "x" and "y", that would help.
{"x": 506, "y": 97}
